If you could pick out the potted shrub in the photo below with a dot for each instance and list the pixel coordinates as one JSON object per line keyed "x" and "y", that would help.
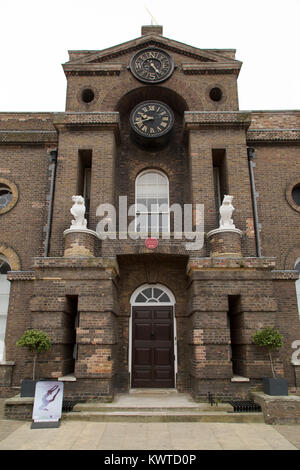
{"x": 35, "y": 341}
{"x": 271, "y": 339}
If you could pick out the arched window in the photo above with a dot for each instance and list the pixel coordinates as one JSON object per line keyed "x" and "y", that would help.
{"x": 297, "y": 268}
{"x": 5, "y": 195}
{"x": 152, "y": 294}
{"x": 152, "y": 202}
{"x": 4, "y": 300}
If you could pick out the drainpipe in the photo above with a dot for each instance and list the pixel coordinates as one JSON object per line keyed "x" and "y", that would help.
{"x": 53, "y": 161}
{"x": 251, "y": 156}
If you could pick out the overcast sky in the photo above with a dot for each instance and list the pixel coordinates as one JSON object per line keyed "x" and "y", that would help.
{"x": 35, "y": 36}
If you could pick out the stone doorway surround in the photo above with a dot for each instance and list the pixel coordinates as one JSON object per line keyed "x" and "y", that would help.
{"x": 152, "y": 295}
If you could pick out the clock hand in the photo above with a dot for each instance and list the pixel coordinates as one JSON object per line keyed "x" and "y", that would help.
{"x": 148, "y": 118}
{"x": 156, "y": 70}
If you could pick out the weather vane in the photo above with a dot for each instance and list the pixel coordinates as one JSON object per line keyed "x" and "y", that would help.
{"x": 153, "y": 20}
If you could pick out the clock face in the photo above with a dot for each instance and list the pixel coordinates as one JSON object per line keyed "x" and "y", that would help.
{"x": 152, "y": 119}
{"x": 152, "y": 65}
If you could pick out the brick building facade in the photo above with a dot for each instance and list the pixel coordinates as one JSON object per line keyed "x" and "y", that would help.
{"x": 119, "y": 314}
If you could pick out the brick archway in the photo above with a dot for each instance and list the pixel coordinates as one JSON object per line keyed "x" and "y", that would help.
{"x": 11, "y": 256}
{"x": 291, "y": 257}
{"x": 177, "y": 86}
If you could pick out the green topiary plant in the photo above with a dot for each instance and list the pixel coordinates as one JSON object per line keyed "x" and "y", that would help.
{"x": 270, "y": 339}
{"x": 35, "y": 341}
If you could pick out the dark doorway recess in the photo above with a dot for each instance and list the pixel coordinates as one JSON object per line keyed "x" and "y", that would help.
{"x": 235, "y": 325}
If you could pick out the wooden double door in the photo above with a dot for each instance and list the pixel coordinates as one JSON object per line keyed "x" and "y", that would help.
{"x": 153, "y": 347}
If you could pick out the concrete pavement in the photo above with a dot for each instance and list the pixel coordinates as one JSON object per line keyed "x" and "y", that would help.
{"x": 86, "y": 435}
{"x": 81, "y": 435}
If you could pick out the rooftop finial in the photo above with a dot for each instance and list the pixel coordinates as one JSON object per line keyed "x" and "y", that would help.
{"x": 153, "y": 20}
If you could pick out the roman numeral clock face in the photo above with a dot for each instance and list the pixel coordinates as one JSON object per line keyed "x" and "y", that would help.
{"x": 151, "y": 119}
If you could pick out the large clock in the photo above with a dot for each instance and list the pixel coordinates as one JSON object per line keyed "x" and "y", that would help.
{"x": 152, "y": 65}
{"x": 151, "y": 119}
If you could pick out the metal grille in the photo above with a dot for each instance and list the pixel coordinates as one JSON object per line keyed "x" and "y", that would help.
{"x": 68, "y": 405}
{"x": 244, "y": 406}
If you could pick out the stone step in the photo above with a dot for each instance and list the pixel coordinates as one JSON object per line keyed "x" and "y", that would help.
{"x": 164, "y": 416}
{"x": 154, "y": 391}
{"x": 142, "y": 407}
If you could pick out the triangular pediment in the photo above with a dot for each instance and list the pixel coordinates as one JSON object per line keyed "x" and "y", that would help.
{"x": 115, "y": 55}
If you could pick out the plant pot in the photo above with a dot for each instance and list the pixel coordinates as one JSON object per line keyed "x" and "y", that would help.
{"x": 275, "y": 386}
{"x": 28, "y": 388}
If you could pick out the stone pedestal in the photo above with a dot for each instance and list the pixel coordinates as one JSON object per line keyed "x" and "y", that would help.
{"x": 79, "y": 243}
{"x": 225, "y": 243}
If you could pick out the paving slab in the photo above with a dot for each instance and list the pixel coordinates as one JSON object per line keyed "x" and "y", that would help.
{"x": 289, "y": 432}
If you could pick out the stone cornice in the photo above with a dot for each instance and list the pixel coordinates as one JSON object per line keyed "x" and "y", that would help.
{"x": 20, "y": 276}
{"x": 271, "y": 135}
{"x": 29, "y": 137}
{"x": 92, "y": 69}
{"x": 94, "y": 121}
{"x": 208, "y": 264}
{"x": 105, "y": 263}
{"x": 201, "y": 55}
{"x": 285, "y": 275}
{"x": 199, "y": 119}
{"x": 208, "y": 68}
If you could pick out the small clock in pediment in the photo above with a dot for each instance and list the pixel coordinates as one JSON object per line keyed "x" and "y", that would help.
{"x": 152, "y": 65}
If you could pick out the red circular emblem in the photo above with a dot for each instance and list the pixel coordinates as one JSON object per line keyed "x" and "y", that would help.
{"x": 151, "y": 243}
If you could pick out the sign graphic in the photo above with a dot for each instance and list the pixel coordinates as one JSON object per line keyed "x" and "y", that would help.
{"x": 48, "y": 401}
{"x": 151, "y": 243}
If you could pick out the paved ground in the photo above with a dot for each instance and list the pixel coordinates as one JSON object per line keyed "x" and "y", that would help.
{"x": 80, "y": 435}
{"x": 83, "y": 435}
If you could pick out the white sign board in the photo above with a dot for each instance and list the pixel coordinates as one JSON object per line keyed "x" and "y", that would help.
{"x": 48, "y": 401}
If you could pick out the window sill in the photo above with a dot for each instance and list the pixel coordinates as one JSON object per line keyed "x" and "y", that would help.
{"x": 239, "y": 379}
{"x": 67, "y": 378}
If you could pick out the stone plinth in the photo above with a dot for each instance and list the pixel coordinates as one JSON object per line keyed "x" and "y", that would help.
{"x": 225, "y": 243}
{"x": 278, "y": 409}
{"x": 79, "y": 243}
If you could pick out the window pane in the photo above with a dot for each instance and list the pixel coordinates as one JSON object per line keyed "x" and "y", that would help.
{"x": 161, "y": 179}
{"x": 152, "y": 205}
{"x": 148, "y": 292}
{"x": 148, "y": 178}
{"x": 157, "y": 292}
{"x": 152, "y": 192}
{"x": 142, "y": 223}
{"x": 164, "y": 298}
{"x": 164, "y": 222}
{"x": 162, "y": 191}
{"x": 163, "y": 205}
{"x": 153, "y": 222}
{"x": 141, "y": 298}
{"x": 141, "y": 205}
